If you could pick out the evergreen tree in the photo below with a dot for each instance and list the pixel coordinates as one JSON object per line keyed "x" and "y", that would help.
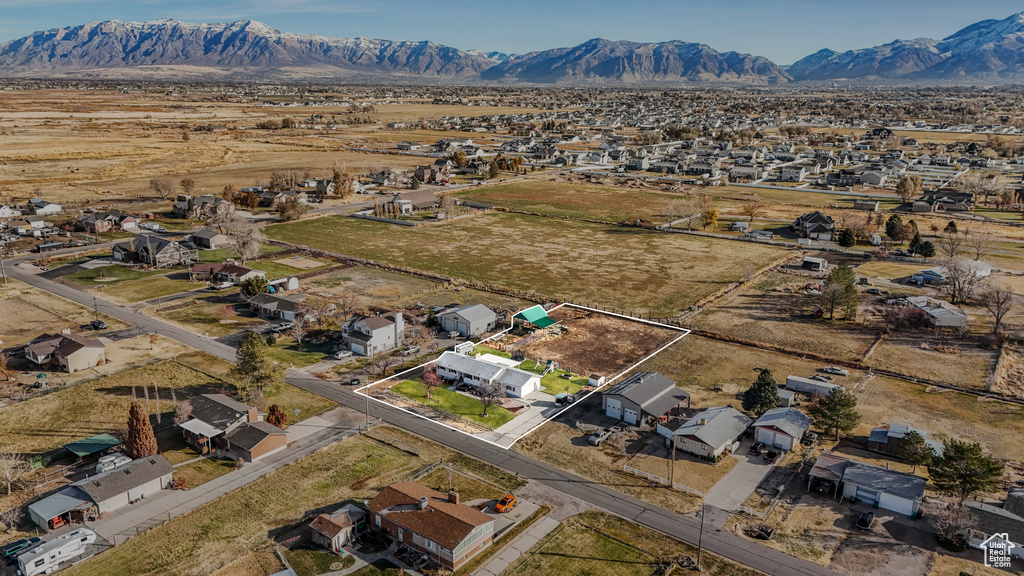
{"x": 846, "y": 238}
{"x": 140, "y": 440}
{"x": 950, "y": 228}
{"x": 892, "y": 227}
{"x": 763, "y": 394}
{"x": 492, "y": 171}
{"x": 837, "y": 411}
{"x": 915, "y": 242}
{"x": 253, "y": 367}
{"x": 964, "y": 470}
{"x": 253, "y": 286}
{"x": 914, "y": 450}
{"x": 926, "y": 249}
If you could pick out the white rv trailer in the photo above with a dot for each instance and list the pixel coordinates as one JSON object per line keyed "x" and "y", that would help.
{"x": 48, "y": 556}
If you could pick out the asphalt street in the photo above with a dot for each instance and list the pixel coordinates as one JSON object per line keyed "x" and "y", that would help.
{"x": 685, "y": 528}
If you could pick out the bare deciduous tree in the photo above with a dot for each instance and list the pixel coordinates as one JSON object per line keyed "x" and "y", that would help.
{"x": 962, "y": 279}
{"x": 895, "y": 315}
{"x": 951, "y": 244}
{"x": 162, "y": 186}
{"x": 321, "y": 309}
{"x": 188, "y": 186}
{"x": 383, "y": 363}
{"x": 979, "y": 240}
{"x": 247, "y": 236}
{"x": 10, "y": 518}
{"x": 12, "y": 467}
{"x": 431, "y": 381}
{"x": 300, "y": 326}
{"x": 951, "y": 522}
{"x": 999, "y": 303}
{"x": 490, "y": 394}
{"x": 182, "y": 411}
{"x": 752, "y": 210}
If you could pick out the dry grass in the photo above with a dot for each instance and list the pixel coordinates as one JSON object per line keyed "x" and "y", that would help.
{"x": 1009, "y": 375}
{"x": 951, "y": 566}
{"x": 773, "y": 311}
{"x": 943, "y": 414}
{"x": 628, "y": 269}
{"x": 714, "y": 372}
{"x": 566, "y": 447}
{"x": 889, "y": 270}
{"x": 807, "y": 531}
{"x": 599, "y": 544}
{"x": 917, "y": 353}
{"x": 27, "y": 312}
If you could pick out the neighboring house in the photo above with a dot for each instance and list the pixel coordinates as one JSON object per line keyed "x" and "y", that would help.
{"x": 276, "y": 306}
{"x": 642, "y": 395}
{"x": 8, "y": 212}
{"x": 210, "y": 240}
{"x": 154, "y": 251}
{"x": 488, "y": 368}
{"x": 408, "y": 145}
{"x": 793, "y": 174}
{"x": 274, "y": 199}
{"x": 814, "y": 225}
{"x": 873, "y": 485}
{"x": 237, "y": 274}
{"x": 810, "y": 386}
{"x": 438, "y": 172}
{"x": 369, "y": 335}
{"x": 68, "y": 351}
{"x": 251, "y": 441}
{"x": 103, "y": 493}
{"x": 782, "y": 428}
{"x": 435, "y": 524}
{"x": 709, "y": 433}
{"x": 745, "y": 173}
{"x": 888, "y": 440}
{"x": 940, "y": 274}
{"x": 213, "y": 416}
{"x": 36, "y": 222}
{"x": 20, "y": 227}
{"x": 940, "y": 314}
{"x": 98, "y": 222}
{"x": 338, "y": 529}
{"x": 638, "y": 163}
{"x": 411, "y": 201}
{"x": 41, "y": 207}
{"x": 469, "y": 321}
{"x": 201, "y": 207}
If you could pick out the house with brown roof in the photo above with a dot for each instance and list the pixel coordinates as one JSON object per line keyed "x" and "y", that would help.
{"x": 251, "y": 441}
{"x": 70, "y": 352}
{"x": 237, "y": 274}
{"x": 436, "y": 524}
{"x": 333, "y": 531}
{"x": 213, "y": 416}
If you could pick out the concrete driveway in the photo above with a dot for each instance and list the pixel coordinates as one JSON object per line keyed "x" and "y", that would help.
{"x": 732, "y": 490}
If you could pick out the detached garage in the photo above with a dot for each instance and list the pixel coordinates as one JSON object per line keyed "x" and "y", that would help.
{"x": 782, "y": 428}
{"x": 879, "y": 487}
{"x": 642, "y": 395}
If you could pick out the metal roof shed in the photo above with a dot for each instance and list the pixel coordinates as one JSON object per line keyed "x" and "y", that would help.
{"x": 536, "y": 315}
{"x": 92, "y": 445}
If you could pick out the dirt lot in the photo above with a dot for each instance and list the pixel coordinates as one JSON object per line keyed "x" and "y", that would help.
{"x": 1009, "y": 375}
{"x": 598, "y": 343}
{"x": 27, "y": 312}
{"x": 773, "y": 311}
{"x": 936, "y": 356}
{"x": 628, "y": 269}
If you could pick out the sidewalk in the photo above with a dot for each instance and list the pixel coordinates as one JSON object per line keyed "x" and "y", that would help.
{"x": 518, "y": 547}
{"x": 168, "y": 504}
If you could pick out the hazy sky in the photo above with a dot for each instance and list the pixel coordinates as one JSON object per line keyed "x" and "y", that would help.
{"x": 782, "y": 30}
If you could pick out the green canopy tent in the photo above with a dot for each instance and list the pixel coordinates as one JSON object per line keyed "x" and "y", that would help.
{"x": 92, "y": 445}
{"x": 535, "y": 315}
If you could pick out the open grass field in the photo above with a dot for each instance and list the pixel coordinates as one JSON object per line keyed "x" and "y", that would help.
{"x": 281, "y": 268}
{"x": 714, "y": 372}
{"x": 202, "y": 471}
{"x": 230, "y": 535}
{"x": 599, "y": 544}
{"x": 943, "y": 414}
{"x": 627, "y": 269}
{"x": 27, "y": 312}
{"x": 889, "y": 270}
{"x": 461, "y": 404}
{"x": 773, "y": 311}
{"x": 917, "y": 353}
{"x": 575, "y": 200}
{"x": 148, "y": 288}
{"x": 108, "y": 275}
{"x": 204, "y": 318}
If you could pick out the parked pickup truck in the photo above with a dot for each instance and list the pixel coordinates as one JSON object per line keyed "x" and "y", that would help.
{"x": 599, "y": 436}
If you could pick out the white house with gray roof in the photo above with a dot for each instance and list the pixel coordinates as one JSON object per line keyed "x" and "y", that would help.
{"x": 368, "y": 335}
{"x": 782, "y": 428}
{"x": 710, "y": 432}
{"x": 876, "y": 486}
{"x": 488, "y": 368}
{"x": 469, "y": 321}
{"x": 644, "y": 394}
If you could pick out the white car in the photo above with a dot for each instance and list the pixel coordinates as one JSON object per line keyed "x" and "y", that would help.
{"x": 284, "y": 326}
{"x": 341, "y": 354}
{"x": 835, "y": 370}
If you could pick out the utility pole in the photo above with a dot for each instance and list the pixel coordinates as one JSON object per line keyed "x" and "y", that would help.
{"x": 672, "y": 470}
{"x": 3, "y": 270}
{"x": 96, "y": 308}
{"x": 700, "y": 537}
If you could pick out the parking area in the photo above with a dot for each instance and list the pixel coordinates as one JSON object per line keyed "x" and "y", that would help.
{"x": 735, "y": 487}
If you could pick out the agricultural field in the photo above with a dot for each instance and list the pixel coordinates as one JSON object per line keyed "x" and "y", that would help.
{"x": 599, "y": 544}
{"x": 553, "y": 197}
{"x": 27, "y": 312}
{"x": 230, "y": 534}
{"x": 626, "y": 269}
{"x": 772, "y": 311}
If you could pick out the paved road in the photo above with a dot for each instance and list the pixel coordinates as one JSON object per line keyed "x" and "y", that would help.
{"x": 684, "y": 528}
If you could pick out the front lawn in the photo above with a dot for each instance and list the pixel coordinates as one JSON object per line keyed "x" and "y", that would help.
{"x": 289, "y": 398}
{"x": 202, "y": 471}
{"x": 121, "y": 273}
{"x": 172, "y": 445}
{"x": 204, "y": 318}
{"x": 466, "y": 406}
{"x": 289, "y": 353}
{"x": 152, "y": 287}
{"x": 311, "y": 562}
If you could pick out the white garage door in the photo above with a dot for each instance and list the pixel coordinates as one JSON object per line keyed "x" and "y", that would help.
{"x": 896, "y": 504}
{"x": 613, "y": 408}
{"x": 867, "y": 496}
{"x": 630, "y": 416}
{"x": 783, "y": 441}
{"x": 765, "y": 435}
{"x": 358, "y": 349}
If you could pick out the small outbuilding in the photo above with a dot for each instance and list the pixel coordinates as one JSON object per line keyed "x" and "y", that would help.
{"x": 782, "y": 428}
{"x": 468, "y": 321}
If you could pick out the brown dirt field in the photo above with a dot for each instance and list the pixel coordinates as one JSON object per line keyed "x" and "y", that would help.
{"x": 301, "y": 263}
{"x": 599, "y": 343}
{"x": 916, "y": 353}
{"x": 27, "y": 312}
